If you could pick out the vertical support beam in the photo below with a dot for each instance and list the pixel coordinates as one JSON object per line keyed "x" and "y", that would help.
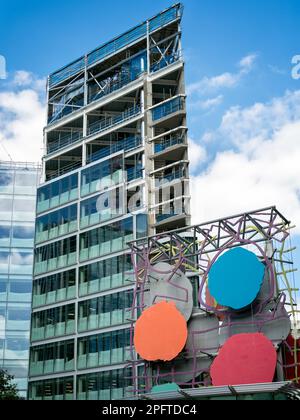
{"x": 148, "y": 48}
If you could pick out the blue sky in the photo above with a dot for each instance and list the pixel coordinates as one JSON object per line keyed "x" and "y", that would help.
{"x": 41, "y": 36}
{"x": 244, "y": 105}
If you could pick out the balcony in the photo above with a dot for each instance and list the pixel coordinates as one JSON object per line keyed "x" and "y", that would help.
{"x": 107, "y": 123}
{"x": 166, "y": 61}
{"x": 167, "y": 108}
{"x": 126, "y": 145}
{"x": 52, "y": 330}
{"x": 117, "y": 44}
{"x": 112, "y": 47}
{"x": 129, "y": 72}
{"x": 63, "y": 171}
{"x": 54, "y": 296}
{"x": 168, "y": 178}
{"x": 67, "y": 72}
{"x": 134, "y": 174}
{"x": 64, "y": 141}
{"x": 57, "y": 263}
{"x": 57, "y": 193}
{"x": 166, "y": 144}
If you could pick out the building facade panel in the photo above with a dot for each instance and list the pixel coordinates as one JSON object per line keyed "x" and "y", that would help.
{"x": 18, "y": 185}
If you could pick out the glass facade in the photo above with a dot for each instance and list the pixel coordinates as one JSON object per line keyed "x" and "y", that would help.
{"x": 52, "y": 358}
{"x": 105, "y": 311}
{"x": 106, "y": 349}
{"x": 52, "y": 389}
{"x": 105, "y": 275}
{"x": 51, "y": 289}
{"x": 106, "y": 239}
{"x": 58, "y": 223}
{"x": 18, "y": 185}
{"x": 54, "y": 322}
{"x": 108, "y": 385}
{"x": 57, "y": 193}
{"x": 55, "y": 255}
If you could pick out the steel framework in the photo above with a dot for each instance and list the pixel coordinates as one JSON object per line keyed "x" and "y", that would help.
{"x": 194, "y": 250}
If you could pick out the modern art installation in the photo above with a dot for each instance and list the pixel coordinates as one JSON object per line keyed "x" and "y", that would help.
{"x": 215, "y": 305}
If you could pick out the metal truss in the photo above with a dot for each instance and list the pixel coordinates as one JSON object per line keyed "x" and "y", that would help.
{"x": 194, "y": 250}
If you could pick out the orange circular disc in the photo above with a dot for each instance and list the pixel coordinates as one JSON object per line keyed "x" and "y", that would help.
{"x": 160, "y": 333}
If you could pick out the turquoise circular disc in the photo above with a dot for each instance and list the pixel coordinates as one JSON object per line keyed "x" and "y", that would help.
{"x": 235, "y": 278}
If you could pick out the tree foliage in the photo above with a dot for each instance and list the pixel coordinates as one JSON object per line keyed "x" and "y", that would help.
{"x": 8, "y": 390}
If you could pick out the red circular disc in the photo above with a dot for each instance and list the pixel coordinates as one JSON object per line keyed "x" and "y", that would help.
{"x": 160, "y": 333}
{"x": 244, "y": 359}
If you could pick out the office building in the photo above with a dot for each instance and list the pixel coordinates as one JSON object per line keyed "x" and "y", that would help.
{"x": 115, "y": 169}
{"x": 18, "y": 185}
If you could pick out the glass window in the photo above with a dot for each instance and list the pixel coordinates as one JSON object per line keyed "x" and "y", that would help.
{"x": 6, "y": 206}
{"x": 43, "y": 193}
{"x": 3, "y": 290}
{"x": 21, "y": 258}
{"x": 54, "y": 389}
{"x": 142, "y": 225}
{"x": 15, "y": 314}
{"x": 26, "y": 179}
{"x": 21, "y": 261}
{"x": 3, "y": 286}
{"x": 56, "y": 249}
{"x": 20, "y": 287}
{"x": 61, "y": 218}
{"x": 5, "y": 231}
{"x": 23, "y": 231}
{"x": 105, "y": 306}
{"x": 24, "y": 205}
{"x": 17, "y": 344}
{"x": 59, "y": 192}
{"x": 4, "y": 259}
{"x": 6, "y": 179}
{"x": 110, "y": 385}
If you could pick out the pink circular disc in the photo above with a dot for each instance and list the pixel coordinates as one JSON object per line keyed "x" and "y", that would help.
{"x": 245, "y": 359}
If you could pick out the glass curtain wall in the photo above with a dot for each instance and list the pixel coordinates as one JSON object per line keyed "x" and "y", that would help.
{"x": 18, "y": 185}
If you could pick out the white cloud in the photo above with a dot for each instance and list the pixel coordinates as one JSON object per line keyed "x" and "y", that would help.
{"x": 22, "y": 78}
{"x": 246, "y": 64}
{"x": 22, "y": 117}
{"x": 25, "y": 79}
{"x": 197, "y": 155}
{"x": 260, "y": 166}
{"x": 208, "y": 104}
{"x": 225, "y": 80}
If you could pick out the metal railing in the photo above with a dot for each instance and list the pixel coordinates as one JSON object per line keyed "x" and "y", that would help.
{"x": 166, "y": 61}
{"x": 178, "y": 174}
{"x": 115, "y": 45}
{"x": 63, "y": 110}
{"x": 66, "y": 72}
{"x": 112, "y": 87}
{"x": 165, "y": 17}
{"x": 167, "y": 108}
{"x": 63, "y": 171}
{"x": 64, "y": 141}
{"x": 109, "y": 122}
{"x": 126, "y": 145}
{"x": 134, "y": 173}
{"x": 166, "y": 144}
